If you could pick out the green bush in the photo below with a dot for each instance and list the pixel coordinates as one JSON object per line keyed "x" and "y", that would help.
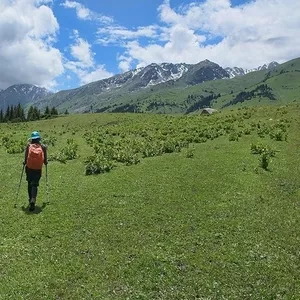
{"x": 70, "y": 151}
{"x": 97, "y": 164}
{"x": 233, "y": 136}
{"x": 264, "y": 160}
{"x": 13, "y": 146}
{"x": 127, "y": 157}
{"x": 58, "y": 156}
{"x": 278, "y": 135}
{"x": 260, "y": 149}
{"x": 190, "y": 152}
{"x": 49, "y": 140}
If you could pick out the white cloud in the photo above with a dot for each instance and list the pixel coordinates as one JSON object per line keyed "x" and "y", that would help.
{"x": 84, "y": 13}
{"x": 27, "y": 31}
{"x": 115, "y": 34}
{"x": 82, "y": 52}
{"x": 98, "y": 73}
{"x": 125, "y": 63}
{"x": 248, "y": 35}
{"x": 84, "y": 65}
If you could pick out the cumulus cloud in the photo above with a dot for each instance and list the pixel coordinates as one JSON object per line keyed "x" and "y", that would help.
{"x": 114, "y": 34}
{"x": 27, "y": 54}
{"x": 248, "y": 35}
{"x": 125, "y": 63}
{"x": 83, "y": 63}
{"x": 98, "y": 73}
{"x": 81, "y": 51}
{"x": 84, "y": 13}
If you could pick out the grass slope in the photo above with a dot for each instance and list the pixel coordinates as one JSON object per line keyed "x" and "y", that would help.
{"x": 213, "y": 226}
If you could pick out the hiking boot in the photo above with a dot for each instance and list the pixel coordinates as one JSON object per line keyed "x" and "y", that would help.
{"x": 32, "y": 205}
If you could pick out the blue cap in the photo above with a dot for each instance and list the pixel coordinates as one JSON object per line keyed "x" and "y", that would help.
{"x": 35, "y": 135}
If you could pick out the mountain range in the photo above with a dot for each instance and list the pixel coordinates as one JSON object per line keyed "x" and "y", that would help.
{"x": 236, "y": 71}
{"x": 23, "y": 94}
{"x": 159, "y": 88}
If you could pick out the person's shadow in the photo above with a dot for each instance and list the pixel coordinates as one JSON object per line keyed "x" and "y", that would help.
{"x": 38, "y": 209}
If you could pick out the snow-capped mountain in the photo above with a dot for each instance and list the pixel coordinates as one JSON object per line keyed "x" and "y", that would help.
{"x": 103, "y": 93}
{"x": 22, "y": 93}
{"x": 155, "y": 74}
{"x": 236, "y": 71}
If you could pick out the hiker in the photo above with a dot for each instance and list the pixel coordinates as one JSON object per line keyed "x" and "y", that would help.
{"x": 35, "y": 157}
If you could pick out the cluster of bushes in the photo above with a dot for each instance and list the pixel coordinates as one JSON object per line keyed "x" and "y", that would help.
{"x": 129, "y": 143}
{"x": 277, "y": 131}
{"x": 13, "y": 146}
{"x": 68, "y": 152}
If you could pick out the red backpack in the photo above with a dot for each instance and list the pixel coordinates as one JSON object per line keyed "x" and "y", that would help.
{"x": 35, "y": 157}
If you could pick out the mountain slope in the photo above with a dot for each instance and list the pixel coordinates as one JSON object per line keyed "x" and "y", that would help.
{"x": 176, "y": 88}
{"x": 23, "y": 94}
{"x": 106, "y": 92}
{"x": 173, "y": 98}
{"x": 282, "y": 82}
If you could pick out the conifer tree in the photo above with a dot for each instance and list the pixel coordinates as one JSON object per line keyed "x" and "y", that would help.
{"x": 30, "y": 114}
{"x": 54, "y": 111}
{"x": 11, "y": 113}
{"x": 47, "y": 111}
{"x": 36, "y": 113}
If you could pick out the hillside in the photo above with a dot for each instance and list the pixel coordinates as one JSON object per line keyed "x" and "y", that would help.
{"x": 135, "y": 93}
{"x": 183, "y": 207}
{"x": 111, "y": 92}
{"x": 283, "y": 80}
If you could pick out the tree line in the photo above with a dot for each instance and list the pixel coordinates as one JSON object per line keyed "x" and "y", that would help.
{"x": 16, "y": 113}
{"x": 261, "y": 91}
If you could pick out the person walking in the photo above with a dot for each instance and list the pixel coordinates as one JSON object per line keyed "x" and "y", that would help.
{"x": 35, "y": 157}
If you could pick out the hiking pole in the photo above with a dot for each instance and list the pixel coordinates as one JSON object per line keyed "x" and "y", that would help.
{"x": 18, "y": 190}
{"x": 47, "y": 186}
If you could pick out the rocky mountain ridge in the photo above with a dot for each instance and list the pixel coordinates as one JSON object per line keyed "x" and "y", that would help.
{"x": 23, "y": 94}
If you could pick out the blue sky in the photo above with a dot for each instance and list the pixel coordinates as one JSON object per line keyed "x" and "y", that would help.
{"x": 62, "y": 44}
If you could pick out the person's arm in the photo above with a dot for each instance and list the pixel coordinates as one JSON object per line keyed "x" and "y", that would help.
{"x": 26, "y": 154}
{"x": 44, "y": 147}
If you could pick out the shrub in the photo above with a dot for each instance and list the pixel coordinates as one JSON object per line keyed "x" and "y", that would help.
{"x": 190, "y": 152}
{"x": 70, "y": 151}
{"x": 151, "y": 149}
{"x": 264, "y": 160}
{"x": 97, "y": 164}
{"x": 49, "y": 140}
{"x": 127, "y": 157}
{"x": 58, "y": 156}
{"x": 13, "y": 146}
{"x": 278, "y": 135}
{"x": 247, "y": 131}
{"x": 233, "y": 136}
{"x": 260, "y": 149}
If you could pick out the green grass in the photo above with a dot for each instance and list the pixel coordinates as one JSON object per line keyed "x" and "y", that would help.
{"x": 214, "y": 226}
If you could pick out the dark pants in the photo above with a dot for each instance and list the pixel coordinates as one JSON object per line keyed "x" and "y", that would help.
{"x": 33, "y": 178}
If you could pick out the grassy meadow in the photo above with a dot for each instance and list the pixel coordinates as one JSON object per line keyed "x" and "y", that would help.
{"x": 148, "y": 206}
